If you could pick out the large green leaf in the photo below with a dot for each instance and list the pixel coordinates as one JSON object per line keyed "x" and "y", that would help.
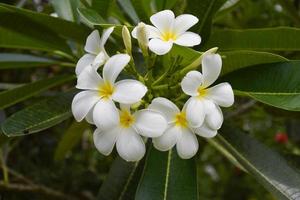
{"x": 276, "y": 84}
{"x": 205, "y": 11}
{"x": 91, "y": 16}
{"x": 70, "y": 138}
{"x": 101, "y": 7}
{"x": 16, "y": 95}
{"x": 14, "y": 60}
{"x": 39, "y": 116}
{"x": 166, "y": 176}
{"x": 143, "y": 9}
{"x": 122, "y": 180}
{"x": 268, "y": 167}
{"x": 232, "y": 60}
{"x": 267, "y": 39}
{"x": 10, "y": 16}
{"x": 66, "y": 9}
{"x": 127, "y": 6}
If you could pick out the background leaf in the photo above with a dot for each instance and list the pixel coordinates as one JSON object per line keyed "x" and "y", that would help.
{"x": 205, "y": 11}
{"x": 269, "y": 168}
{"x": 275, "y": 84}
{"x": 265, "y": 39}
{"x": 69, "y": 139}
{"x": 16, "y": 95}
{"x": 39, "y": 116}
{"x": 122, "y": 180}
{"x": 66, "y": 9}
{"x": 15, "y": 60}
{"x": 166, "y": 176}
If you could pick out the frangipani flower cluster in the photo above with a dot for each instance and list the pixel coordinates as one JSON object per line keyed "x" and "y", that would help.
{"x": 127, "y": 112}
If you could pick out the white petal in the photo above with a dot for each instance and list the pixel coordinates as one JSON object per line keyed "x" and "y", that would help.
{"x": 211, "y": 68}
{"x": 166, "y": 107}
{"x": 153, "y": 32}
{"x": 184, "y": 22}
{"x": 89, "y": 116}
{"x": 205, "y": 131}
{"x": 130, "y": 145}
{"x": 195, "y": 112}
{"x": 114, "y": 66}
{"x": 89, "y": 79}
{"x": 160, "y": 47}
{"x": 99, "y": 60}
{"x": 83, "y": 62}
{"x": 133, "y": 32}
{"x": 106, "y": 115}
{"x": 92, "y": 44}
{"x": 150, "y": 123}
{"x": 221, "y": 94}
{"x": 129, "y": 91}
{"x": 214, "y": 115}
{"x": 163, "y": 20}
{"x": 105, "y": 35}
{"x": 83, "y": 102}
{"x": 105, "y": 140}
{"x": 188, "y": 39}
{"x": 187, "y": 144}
{"x": 191, "y": 82}
{"x": 168, "y": 139}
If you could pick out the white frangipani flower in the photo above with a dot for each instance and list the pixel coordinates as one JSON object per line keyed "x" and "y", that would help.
{"x": 203, "y": 105}
{"x": 179, "y": 131}
{"x": 96, "y": 54}
{"x": 96, "y": 102}
{"x": 127, "y": 131}
{"x": 168, "y": 30}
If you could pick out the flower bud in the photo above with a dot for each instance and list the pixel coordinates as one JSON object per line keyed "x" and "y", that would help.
{"x": 126, "y": 39}
{"x": 142, "y": 37}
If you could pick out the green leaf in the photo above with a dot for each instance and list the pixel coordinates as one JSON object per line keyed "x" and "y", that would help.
{"x": 205, "y": 11}
{"x": 127, "y": 6}
{"x": 70, "y": 138}
{"x": 234, "y": 60}
{"x": 66, "y": 9}
{"x": 276, "y": 84}
{"x": 166, "y": 176}
{"x": 101, "y": 7}
{"x": 143, "y": 9}
{"x": 269, "y": 168}
{"x": 39, "y": 116}
{"x": 26, "y": 18}
{"x": 267, "y": 39}
{"x": 14, "y": 60}
{"x": 122, "y": 180}
{"x": 16, "y": 95}
{"x": 91, "y": 16}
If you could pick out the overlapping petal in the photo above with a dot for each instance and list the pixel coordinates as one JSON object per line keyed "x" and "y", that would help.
{"x": 191, "y": 82}
{"x": 205, "y": 131}
{"x": 163, "y": 20}
{"x": 106, "y": 115}
{"x": 221, "y": 94}
{"x": 188, "y": 39}
{"x": 114, "y": 66}
{"x": 168, "y": 139}
{"x": 195, "y": 112}
{"x": 93, "y": 43}
{"x": 166, "y": 107}
{"x": 187, "y": 144}
{"x": 160, "y": 47}
{"x": 83, "y": 62}
{"x": 150, "y": 123}
{"x": 89, "y": 79}
{"x": 130, "y": 145}
{"x": 211, "y": 68}
{"x": 214, "y": 115}
{"x": 82, "y": 103}
{"x": 105, "y": 140}
{"x": 105, "y": 35}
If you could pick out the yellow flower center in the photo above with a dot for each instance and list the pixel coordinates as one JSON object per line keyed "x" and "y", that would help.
{"x": 180, "y": 119}
{"x": 202, "y": 92}
{"x": 106, "y": 90}
{"x": 168, "y": 36}
{"x": 126, "y": 119}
